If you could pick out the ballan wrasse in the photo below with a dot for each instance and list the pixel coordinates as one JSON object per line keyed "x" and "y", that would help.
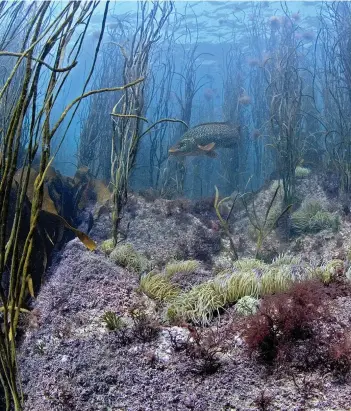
{"x": 205, "y": 138}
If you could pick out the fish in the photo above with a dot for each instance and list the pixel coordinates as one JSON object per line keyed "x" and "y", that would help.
{"x": 204, "y": 138}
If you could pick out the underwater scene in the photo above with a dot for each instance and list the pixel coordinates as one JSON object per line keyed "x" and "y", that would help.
{"x": 175, "y": 219}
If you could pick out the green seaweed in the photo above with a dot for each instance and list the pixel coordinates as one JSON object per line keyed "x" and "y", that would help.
{"x": 107, "y": 246}
{"x": 113, "y": 321}
{"x": 186, "y": 267}
{"x": 158, "y": 287}
{"x": 302, "y": 172}
{"x": 247, "y": 305}
{"x": 312, "y": 218}
{"x": 126, "y": 256}
{"x": 247, "y": 278}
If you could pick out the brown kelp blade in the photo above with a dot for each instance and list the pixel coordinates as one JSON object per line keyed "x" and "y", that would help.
{"x": 49, "y": 207}
{"x": 84, "y": 238}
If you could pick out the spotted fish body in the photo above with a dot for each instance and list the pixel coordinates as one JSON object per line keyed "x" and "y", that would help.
{"x": 204, "y": 138}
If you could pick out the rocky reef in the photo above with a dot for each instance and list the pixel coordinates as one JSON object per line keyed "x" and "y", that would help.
{"x": 167, "y": 320}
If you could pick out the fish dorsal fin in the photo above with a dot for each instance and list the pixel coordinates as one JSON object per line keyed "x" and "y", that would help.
{"x": 207, "y": 147}
{"x": 215, "y": 123}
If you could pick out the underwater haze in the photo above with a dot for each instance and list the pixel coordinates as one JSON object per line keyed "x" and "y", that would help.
{"x": 175, "y": 219}
{"x": 213, "y": 43}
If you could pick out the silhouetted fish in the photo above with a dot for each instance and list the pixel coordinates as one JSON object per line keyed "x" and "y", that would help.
{"x": 204, "y": 138}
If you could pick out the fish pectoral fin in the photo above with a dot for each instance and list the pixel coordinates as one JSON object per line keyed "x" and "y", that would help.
{"x": 173, "y": 150}
{"x": 207, "y": 147}
{"x": 211, "y": 154}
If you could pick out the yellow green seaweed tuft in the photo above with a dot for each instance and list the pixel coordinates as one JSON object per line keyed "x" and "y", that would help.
{"x": 232, "y": 286}
{"x": 158, "y": 287}
{"x": 247, "y": 305}
{"x": 247, "y": 278}
{"x": 329, "y": 271}
{"x": 302, "y": 172}
{"x": 107, "y": 246}
{"x": 125, "y": 256}
{"x": 197, "y": 305}
{"x": 113, "y": 321}
{"x": 186, "y": 267}
{"x": 312, "y": 218}
{"x": 275, "y": 280}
